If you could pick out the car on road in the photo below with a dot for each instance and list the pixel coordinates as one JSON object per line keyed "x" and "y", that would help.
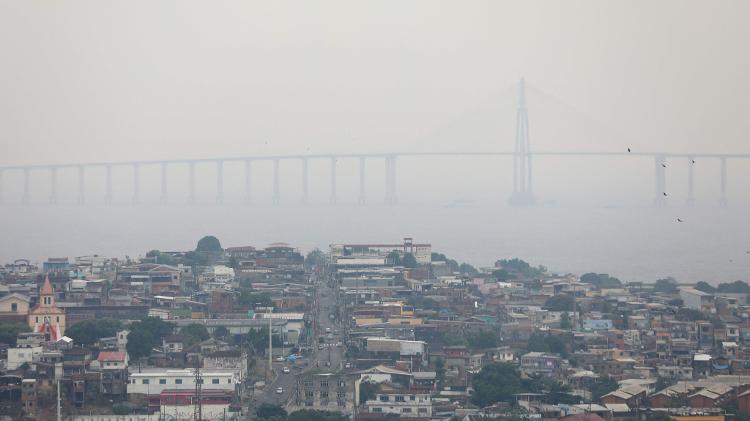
{"x": 348, "y": 365}
{"x": 285, "y": 370}
{"x": 320, "y": 347}
{"x": 280, "y": 359}
{"x": 279, "y": 390}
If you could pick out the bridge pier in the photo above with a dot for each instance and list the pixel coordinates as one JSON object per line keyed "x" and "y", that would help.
{"x": 191, "y": 182}
{"x": 248, "y": 180}
{"x": 136, "y": 183}
{"x": 80, "y": 198}
{"x": 723, "y": 198}
{"x": 390, "y": 180}
{"x": 163, "y": 196}
{"x": 691, "y": 192}
{"x": 660, "y": 181}
{"x": 362, "y": 165}
{"x": 333, "y": 181}
{"x": 53, "y": 185}
{"x": 305, "y": 192}
{"x": 108, "y": 184}
{"x": 276, "y": 194}
{"x": 26, "y": 195}
{"x": 219, "y": 182}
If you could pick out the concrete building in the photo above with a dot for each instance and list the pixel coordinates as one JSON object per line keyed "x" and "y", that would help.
{"x": 696, "y": 299}
{"x": 405, "y": 403}
{"x": 155, "y": 381}
{"x": 324, "y": 391}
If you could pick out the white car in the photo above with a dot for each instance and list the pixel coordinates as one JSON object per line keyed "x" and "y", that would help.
{"x": 279, "y": 390}
{"x": 280, "y": 359}
{"x": 285, "y": 370}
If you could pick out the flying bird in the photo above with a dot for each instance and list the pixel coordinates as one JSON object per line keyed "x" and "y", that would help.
{"x": 665, "y": 193}
{"x": 664, "y": 165}
{"x": 692, "y": 161}
{"x": 628, "y": 149}
{"x": 680, "y": 220}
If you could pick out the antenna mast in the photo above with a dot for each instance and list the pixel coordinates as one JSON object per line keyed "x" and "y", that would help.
{"x": 198, "y": 403}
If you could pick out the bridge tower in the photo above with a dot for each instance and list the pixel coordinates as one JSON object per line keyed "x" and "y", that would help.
{"x": 523, "y": 193}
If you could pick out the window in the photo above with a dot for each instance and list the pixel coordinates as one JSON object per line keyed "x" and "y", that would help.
{"x": 145, "y": 381}
{"x": 406, "y": 410}
{"x": 412, "y": 398}
{"x": 377, "y": 409}
{"x": 323, "y": 394}
{"x": 342, "y": 394}
{"x": 383, "y": 398}
{"x": 14, "y": 307}
{"x": 58, "y": 319}
{"x": 177, "y": 381}
{"x": 400, "y": 398}
{"x": 422, "y": 410}
{"x": 162, "y": 381}
{"x": 309, "y": 394}
{"x": 214, "y": 381}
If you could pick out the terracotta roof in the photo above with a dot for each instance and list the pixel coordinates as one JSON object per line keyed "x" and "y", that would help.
{"x": 111, "y": 356}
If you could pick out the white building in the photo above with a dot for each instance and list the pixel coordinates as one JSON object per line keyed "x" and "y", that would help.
{"x": 18, "y": 356}
{"x": 154, "y": 381}
{"x": 404, "y": 403}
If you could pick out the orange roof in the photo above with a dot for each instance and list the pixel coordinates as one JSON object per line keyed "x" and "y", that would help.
{"x": 111, "y": 356}
{"x": 47, "y": 288}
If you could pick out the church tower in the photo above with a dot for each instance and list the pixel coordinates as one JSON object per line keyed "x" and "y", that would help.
{"x": 46, "y": 317}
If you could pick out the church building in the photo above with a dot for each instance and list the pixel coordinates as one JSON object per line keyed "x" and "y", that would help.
{"x": 46, "y": 317}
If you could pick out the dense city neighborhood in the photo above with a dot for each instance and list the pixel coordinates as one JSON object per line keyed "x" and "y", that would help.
{"x": 362, "y": 332}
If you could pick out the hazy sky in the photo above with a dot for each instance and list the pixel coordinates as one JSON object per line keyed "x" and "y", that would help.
{"x": 101, "y": 80}
{"x": 106, "y": 81}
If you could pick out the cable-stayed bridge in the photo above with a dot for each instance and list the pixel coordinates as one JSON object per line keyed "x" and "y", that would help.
{"x": 523, "y": 158}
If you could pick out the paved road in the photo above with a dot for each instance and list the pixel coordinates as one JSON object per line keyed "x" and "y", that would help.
{"x": 323, "y": 352}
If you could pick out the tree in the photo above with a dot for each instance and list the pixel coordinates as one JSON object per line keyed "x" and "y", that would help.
{"x": 249, "y": 298}
{"x": 367, "y": 391}
{"x": 409, "y": 261}
{"x": 221, "y": 332}
{"x": 734, "y": 287}
{"x": 394, "y": 258}
{"x": 601, "y": 280}
{"x": 562, "y": 302}
{"x": 520, "y": 266}
{"x": 483, "y": 339}
{"x": 197, "y": 332}
{"x": 266, "y": 410}
{"x": 539, "y": 342}
{"x": 497, "y": 382}
{"x": 315, "y": 257}
{"x": 440, "y": 257}
{"x": 140, "y": 344}
{"x": 666, "y": 286}
{"x": 690, "y": 315}
{"x": 9, "y": 332}
{"x": 467, "y": 269}
{"x": 209, "y": 243}
{"x": 502, "y": 275}
{"x": 422, "y": 302}
{"x": 89, "y": 331}
{"x": 602, "y": 386}
{"x": 565, "y": 322}
{"x": 145, "y": 335}
{"x": 705, "y": 287}
{"x": 440, "y": 371}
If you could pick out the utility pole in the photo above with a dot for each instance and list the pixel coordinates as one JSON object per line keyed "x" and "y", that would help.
{"x": 58, "y": 399}
{"x": 270, "y": 341}
{"x": 198, "y": 404}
